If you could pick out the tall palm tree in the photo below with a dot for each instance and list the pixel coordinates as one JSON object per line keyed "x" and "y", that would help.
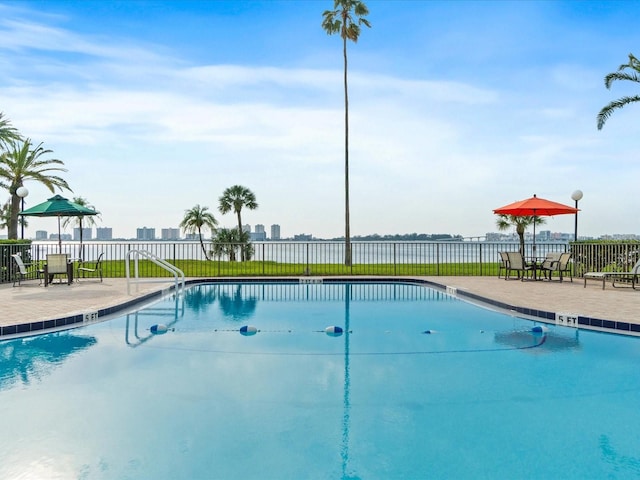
{"x": 23, "y": 162}
{"x": 195, "y": 219}
{"x": 341, "y": 20}
{"x": 236, "y": 198}
{"x": 505, "y": 222}
{"x": 90, "y": 221}
{"x": 8, "y": 133}
{"x": 621, "y": 74}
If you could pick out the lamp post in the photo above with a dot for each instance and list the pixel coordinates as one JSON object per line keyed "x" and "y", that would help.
{"x": 22, "y": 192}
{"x": 576, "y": 196}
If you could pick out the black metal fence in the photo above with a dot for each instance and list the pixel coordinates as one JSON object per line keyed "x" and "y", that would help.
{"x": 604, "y": 256}
{"x": 291, "y": 258}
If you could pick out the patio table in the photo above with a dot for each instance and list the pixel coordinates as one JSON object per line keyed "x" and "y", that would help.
{"x": 536, "y": 264}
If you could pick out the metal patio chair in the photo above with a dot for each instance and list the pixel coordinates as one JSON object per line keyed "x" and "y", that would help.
{"x": 560, "y": 265}
{"x": 91, "y": 267}
{"x": 24, "y": 271}
{"x": 517, "y": 264}
{"x": 58, "y": 264}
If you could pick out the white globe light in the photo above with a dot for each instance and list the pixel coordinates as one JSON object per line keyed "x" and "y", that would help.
{"x": 577, "y": 195}
{"x": 22, "y": 192}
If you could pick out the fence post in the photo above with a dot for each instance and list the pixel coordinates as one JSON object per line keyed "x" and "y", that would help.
{"x": 395, "y": 269}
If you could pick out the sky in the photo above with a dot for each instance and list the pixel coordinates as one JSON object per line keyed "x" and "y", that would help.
{"x": 456, "y": 108}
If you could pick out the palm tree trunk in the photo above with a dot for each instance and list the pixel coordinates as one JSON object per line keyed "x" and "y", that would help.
{"x": 242, "y": 257}
{"x": 13, "y": 220}
{"x": 347, "y": 232}
{"x": 520, "y": 232}
{"x": 204, "y": 250}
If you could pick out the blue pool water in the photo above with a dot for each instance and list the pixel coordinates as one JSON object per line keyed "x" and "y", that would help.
{"x": 480, "y": 396}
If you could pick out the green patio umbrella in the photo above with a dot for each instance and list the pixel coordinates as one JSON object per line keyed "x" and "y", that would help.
{"x": 58, "y": 206}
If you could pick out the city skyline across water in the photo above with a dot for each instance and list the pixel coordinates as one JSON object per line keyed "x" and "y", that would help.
{"x": 259, "y": 234}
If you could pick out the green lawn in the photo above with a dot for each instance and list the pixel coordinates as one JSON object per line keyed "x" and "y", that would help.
{"x": 200, "y": 268}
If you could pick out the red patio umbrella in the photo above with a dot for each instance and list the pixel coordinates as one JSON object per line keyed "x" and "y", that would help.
{"x": 535, "y": 207}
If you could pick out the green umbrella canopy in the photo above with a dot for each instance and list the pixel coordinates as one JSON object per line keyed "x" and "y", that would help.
{"x": 58, "y": 206}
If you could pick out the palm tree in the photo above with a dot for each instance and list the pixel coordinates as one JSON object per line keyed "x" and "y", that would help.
{"x": 23, "y": 162}
{"x": 8, "y": 133}
{"x": 79, "y": 219}
{"x": 195, "y": 219}
{"x": 505, "y": 222}
{"x": 235, "y": 198}
{"x": 621, "y": 74}
{"x": 228, "y": 240}
{"x": 341, "y": 20}
{"x": 5, "y": 214}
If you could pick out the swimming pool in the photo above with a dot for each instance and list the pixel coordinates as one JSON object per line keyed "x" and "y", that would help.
{"x": 420, "y": 385}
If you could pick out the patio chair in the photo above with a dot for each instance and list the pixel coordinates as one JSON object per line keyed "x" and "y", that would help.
{"x": 90, "y": 267}
{"x": 623, "y": 278}
{"x": 24, "y": 271}
{"x": 58, "y": 264}
{"x": 557, "y": 262}
{"x": 504, "y": 264}
{"x": 517, "y": 264}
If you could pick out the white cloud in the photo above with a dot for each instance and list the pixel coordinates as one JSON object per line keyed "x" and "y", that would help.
{"x": 146, "y": 134}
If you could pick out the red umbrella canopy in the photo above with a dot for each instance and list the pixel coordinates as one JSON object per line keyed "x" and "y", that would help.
{"x": 535, "y": 207}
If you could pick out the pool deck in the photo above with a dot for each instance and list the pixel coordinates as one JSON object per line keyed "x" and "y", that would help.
{"x": 32, "y": 303}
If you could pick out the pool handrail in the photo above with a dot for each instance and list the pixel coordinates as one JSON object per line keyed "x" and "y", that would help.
{"x": 177, "y": 273}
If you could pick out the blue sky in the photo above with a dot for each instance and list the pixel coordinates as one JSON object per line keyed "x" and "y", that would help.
{"x": 456, "y": 108}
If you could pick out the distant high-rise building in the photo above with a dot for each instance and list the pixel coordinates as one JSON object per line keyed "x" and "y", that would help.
{"x": 64, "y": 236}
{"x": 104, "y": 233}
{"x": 41, "y": 234}
{"x": 194, "y": 236}
{"x": 145, "y": 233}
{"x": 86, "y": 233}
{"x": 259, "y": 235}
{"x": 275, "y": 232}
{"x": 246, "y": 228}
{"x": 170, "y": 234}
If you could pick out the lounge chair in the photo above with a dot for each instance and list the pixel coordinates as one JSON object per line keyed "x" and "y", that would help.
{"x": 58, "y": 264}
{"x": 91, "y": 267}
{"x": 24, "y": 271}
{"x": 557, "y": 262}
{"x": 621, "y": 277}
{"x": 504, "y": 264}
{"x": 517, "y": 264}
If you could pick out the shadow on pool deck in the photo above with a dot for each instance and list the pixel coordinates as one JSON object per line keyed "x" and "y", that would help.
{"x": 32, "y": 302}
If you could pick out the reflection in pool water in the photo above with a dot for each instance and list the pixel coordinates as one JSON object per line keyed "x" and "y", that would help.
{"x": 29, "y": 359}
{"x": 482, "y": 396}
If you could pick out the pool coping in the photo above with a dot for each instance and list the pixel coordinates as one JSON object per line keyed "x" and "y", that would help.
{"x": 554, "y": 318}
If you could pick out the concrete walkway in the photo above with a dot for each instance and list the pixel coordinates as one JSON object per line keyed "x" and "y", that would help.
{"x": 33, "y": 302}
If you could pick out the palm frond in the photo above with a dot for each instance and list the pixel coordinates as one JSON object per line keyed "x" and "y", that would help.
{"x": 606, "y": 111}
{"x": 615, "y": 76}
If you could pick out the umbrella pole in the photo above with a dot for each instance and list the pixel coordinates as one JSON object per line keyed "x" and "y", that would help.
{"x": 534, "y": 233}
{"x": 59, "y": 237}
